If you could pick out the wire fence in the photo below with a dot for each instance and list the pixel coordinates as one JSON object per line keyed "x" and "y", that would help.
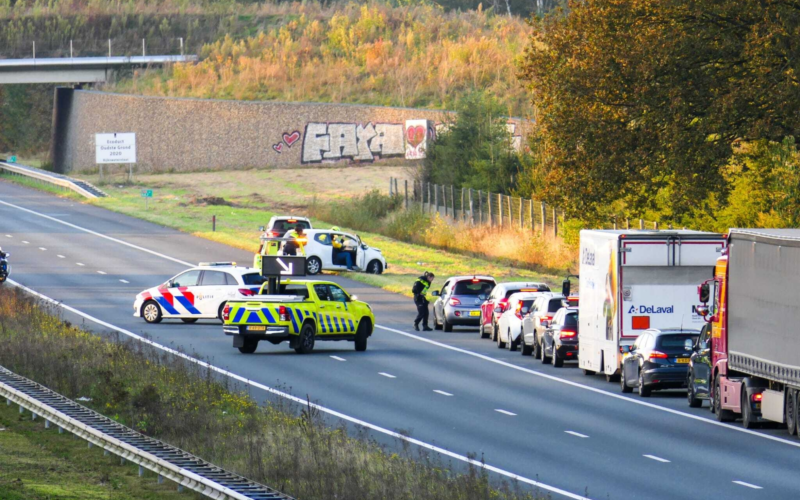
{"x": 477, "y": 207}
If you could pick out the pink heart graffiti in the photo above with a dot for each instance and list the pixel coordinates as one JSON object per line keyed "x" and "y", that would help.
{"x": 278, "y": 147}
{"x": 290, "y": 139}
{"x": 415, "y": 135}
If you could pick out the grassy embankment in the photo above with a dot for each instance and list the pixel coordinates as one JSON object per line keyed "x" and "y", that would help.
{"x": 170, "y": 398}
{"x": 40, "y": 464}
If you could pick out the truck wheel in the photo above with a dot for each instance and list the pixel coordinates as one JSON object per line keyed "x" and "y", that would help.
{"x": 722, "y": 415}
{"x": 588, "y": 372}
{"x": 644, "y": 391}
{"x": 747, "y": 411}
{"x": 623, "y": 384}
{"x": 361, "y": 336}
{"x": 151, "y": 312}
{"x": 375, "y": 267}
{"x": 791, "y": 411}
{"x": 249, "y": 347}
{"x": 694, "y": 402}
{"x": 313, "y": 265}
{"x": 305, "y": 342}
{"x": 612, "y": 378}
{"x": 446, "y": 325}
{"x": 189, "y": 321}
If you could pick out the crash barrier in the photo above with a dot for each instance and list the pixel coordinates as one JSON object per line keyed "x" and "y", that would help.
{"x": 477, "y": 207}
{"x": 187, "y": 470}
{"x": 58, "y": 180}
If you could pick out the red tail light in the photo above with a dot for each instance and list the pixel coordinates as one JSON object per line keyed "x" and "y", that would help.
{"x": 547, "y": 317}
{"x": 757, "y": 397}
{"x": 282, "y": 313}
{"x": 568, "y": 334}
{"x": 455, "y": 302}
{"x": 518, "y": 312}
{"x": 246, "y": 292}
{"x": 658, "y": 355}
{"x": 226, "y": 313}
{"x": 274, "y": 234}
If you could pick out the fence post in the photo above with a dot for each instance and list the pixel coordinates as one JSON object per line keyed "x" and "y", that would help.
{"x": 396, "y": 191}
{"x": 521, "y": 215}
{"x": 544, "y": 218}
{"x": 510, "y": 217}
{"x": 530, "y": 210}
{"x": 390, "y": 186}
{"x": 471, "y": 209}
{"x": 615, "y": 222}
{"x": 463, "y": 212}
{"x": 627, "y": 223}
{"x": 405, "y": 190}
{"x": 444, "y": 199}
{"x": 555, "y": 222}
{"x": 489, "y": 200}
{"x": 641, "y": 223}
{"x": 500, "y": 209}
{"x": 453, "y": 201}
{"x": 430, "y": 208}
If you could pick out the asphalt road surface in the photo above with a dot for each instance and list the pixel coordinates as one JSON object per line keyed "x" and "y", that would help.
{"x": 575, "y": 435}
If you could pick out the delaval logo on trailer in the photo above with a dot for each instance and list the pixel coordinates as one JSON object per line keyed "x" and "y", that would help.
{"x": 651, "y": 310}
{"x": 588, "y": 256}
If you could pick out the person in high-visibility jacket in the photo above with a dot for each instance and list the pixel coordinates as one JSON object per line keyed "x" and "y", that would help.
{"x": 296, "y": 245}
{"x": 420, "y": 292}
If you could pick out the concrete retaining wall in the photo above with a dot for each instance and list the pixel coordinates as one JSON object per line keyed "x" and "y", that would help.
{"x": 199, "y": 134}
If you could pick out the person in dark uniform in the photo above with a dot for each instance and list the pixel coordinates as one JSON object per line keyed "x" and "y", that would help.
{"x": 420, "y": 292}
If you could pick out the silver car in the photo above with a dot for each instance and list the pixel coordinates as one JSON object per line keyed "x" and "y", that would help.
{"x": 459, "y": 301}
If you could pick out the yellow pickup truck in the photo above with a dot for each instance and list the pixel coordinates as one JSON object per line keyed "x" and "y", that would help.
{"x": 302, "y": 312}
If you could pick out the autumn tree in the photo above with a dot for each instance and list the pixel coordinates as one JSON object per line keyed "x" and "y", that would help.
{"x": 637, "y": 99}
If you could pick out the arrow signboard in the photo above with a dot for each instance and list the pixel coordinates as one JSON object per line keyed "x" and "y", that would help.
{"x": 283, "y": 266}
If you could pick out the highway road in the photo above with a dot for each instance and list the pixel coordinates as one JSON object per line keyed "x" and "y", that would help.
{"x": 576, "y": 435}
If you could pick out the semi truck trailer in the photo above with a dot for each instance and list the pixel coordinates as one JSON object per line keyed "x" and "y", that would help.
{"x": 631, "y": 281}
{"x": 753, "y": 307}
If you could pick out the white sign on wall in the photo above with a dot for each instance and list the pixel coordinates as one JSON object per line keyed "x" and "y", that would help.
{"x": 115, "y": 148}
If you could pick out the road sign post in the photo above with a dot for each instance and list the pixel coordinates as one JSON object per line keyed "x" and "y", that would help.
{"x": 146, "y": 194}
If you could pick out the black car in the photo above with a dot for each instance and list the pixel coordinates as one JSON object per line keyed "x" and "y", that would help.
{"x": 659, "y": 359}
{"x": 698, "y": 380}
{"x": 560, "y": 339}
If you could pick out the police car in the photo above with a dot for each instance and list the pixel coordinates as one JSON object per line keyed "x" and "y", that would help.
{"x": 197, "y": 293}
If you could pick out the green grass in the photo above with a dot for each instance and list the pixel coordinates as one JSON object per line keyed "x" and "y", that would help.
{"x": 40, "y": 464}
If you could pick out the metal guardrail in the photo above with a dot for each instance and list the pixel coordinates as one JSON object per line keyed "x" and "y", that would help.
{"x": 187, "y": 470}
{"x": 81, "y": 187}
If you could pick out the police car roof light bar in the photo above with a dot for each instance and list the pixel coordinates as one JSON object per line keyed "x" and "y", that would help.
{"x": 212, "y": 264}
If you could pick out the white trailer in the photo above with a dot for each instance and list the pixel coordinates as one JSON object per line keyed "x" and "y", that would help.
{"x": 634, "y": 280}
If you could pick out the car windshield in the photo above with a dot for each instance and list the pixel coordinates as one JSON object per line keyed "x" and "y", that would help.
{"x": 253, "y": 279}
{"x": 571, "y": 319}
{"x": 473, "y": 287}
{"x": 285, "y": 225}
{"x": 555, "y": 305}
{"x": 301, "y": 290}
{"x": 675, "y": 342}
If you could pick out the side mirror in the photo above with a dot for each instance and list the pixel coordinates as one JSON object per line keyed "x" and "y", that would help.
{"x": 436, "y": 293}
{"x": 545, "y": 323}
{"x": 524, "y": 310}
{"x": 704, "y": 292}
{"x": 498, "y": 310}
{"x": 262, "y": 229}
{"x": 702, "y": 310}
{"x": 170, "y": 284}
{"x": 565, "y": 288}
{"x": 353, "y": 298}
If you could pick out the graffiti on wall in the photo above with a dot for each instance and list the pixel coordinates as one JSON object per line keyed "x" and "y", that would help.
{"x": 337, "y": 141}
{"x": 418, "y": 133}
{"x": 288, "y": 139}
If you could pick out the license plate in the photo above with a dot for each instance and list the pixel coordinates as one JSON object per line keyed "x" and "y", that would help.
{"x": 257, "y": 328}
{"x": 474, "y": 313}
{"x": 682, "y": 360}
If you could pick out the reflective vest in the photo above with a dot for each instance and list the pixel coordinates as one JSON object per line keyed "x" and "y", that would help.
{"x": 425, "y": 285}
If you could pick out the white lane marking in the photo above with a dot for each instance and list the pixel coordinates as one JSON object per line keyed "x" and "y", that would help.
{"x": 25, "y": 242}
{"x": 748, "y": 485}
{"x": 80, "y": 263}
{"x": 99, "y": 235}
{"x": 9, "y": 236}
{"x": 305, "y": 402}
{"x": 592, "y": 389}
{"x": 453, "y": 348}
{"x": 124, "y": 281}
{"x": 657, "y": 459}
{"x": 61, "y": 257}
{"x": 337, "y": 358}
{"x": 387, "y": 375}
{"x": 42, "y": 249}
{"x": 578, "y": 434}
{"x": 504, "y": 412}
{"x": 437, "y": 391}
{"x": 101, "y": 272}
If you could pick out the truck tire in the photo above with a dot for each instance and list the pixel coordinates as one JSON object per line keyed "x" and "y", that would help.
{"x": 313, "y": 266}
{"x": 362, "y": 335}
{"x": 747, "y": 411}
{"x": 623, "y": 384}
{"x": 722, "y": 415}
{"x": 588, "y": 373}
{"x": 612, "y": 378}
{"x": 249, "y": 347}
{"x": 305, "y": 342}
{"x": 644, "y": 391}
{"x": 791, "y": 411}
{"x": 694, "y": 402}
{"x": 151, "y": 312}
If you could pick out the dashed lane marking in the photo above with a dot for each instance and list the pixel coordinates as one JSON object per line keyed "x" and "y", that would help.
{"x": 244, "y": 380}
{"x": 80, "y": 264}
{"x": 748, "y": 485}
{"x": 577, "y": 434}
{"x": 337, "y": 358}
{"x": 61, "y": 257}
{"x": 124, "y": 281}
{"x": 437, "y": 391}
{"x": 387, "y": 375}
{"x": 101, "y": 272}
{"x": 9, "y": 236}
{"x": 504, "y": 412}
{"x": 657, "y": 459}
{"x": 43, "y": 249}
{"x": 26, "y": 242}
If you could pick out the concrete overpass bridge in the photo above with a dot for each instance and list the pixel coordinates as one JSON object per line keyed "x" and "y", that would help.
{"x": 78, "y": 70}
